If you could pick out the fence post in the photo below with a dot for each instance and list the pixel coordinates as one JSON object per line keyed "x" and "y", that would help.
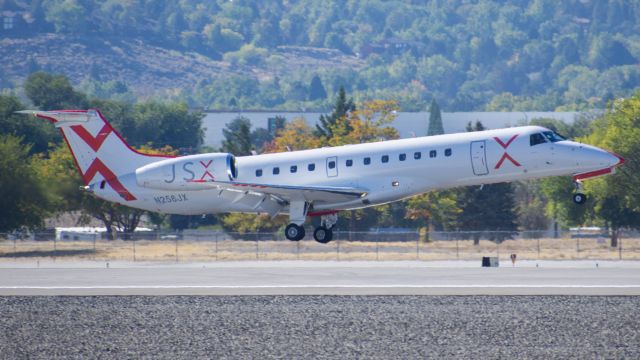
{"x": 15, "y": 249}
{"x": 377, "y": 248}
{"x": 216, "y": 247}
{"x": 257, "y": 248}
{"x": 418, "y": 247}
{"x": 338, "y": 248}
{"x": 620, "y": 245}
{"x": 134, "y": 250}
{"x": 457, "y": 248}
{"x": 176, "y": 249}
{"x": 538, "y": 248}
{"x": 55, "y": 249}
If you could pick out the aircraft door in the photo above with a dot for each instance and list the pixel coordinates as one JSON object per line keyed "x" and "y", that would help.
{"x": 479, "y": 157}
{"x": 332, "y": 166}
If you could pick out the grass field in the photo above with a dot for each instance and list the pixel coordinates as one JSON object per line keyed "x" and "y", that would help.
{"x": 227, "y": 250}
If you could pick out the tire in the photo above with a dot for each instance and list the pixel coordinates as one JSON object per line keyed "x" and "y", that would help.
{"x": 294, "y": 232}
{"x": 323, "y": 235}
{"x": 579, "y": 198}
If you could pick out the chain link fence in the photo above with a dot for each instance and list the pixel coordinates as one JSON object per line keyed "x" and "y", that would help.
{"x": 196, "y": 246}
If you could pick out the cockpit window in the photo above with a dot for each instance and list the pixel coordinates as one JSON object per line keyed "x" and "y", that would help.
{"x": 553, "y": 137}
{"x": 536, "y": 139}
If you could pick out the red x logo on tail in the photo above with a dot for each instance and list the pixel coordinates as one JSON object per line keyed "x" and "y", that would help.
{"x": 505, "y": 155}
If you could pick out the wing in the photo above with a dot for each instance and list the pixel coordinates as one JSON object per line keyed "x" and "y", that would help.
{"x": 288, "y": 193}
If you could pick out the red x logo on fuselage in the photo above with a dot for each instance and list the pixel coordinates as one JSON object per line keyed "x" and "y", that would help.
{"x": 206, "y": 170}
{"x": 505, "y": 155}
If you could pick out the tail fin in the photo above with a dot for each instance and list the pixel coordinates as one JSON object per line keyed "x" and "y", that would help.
{"x": 97, "y": 148}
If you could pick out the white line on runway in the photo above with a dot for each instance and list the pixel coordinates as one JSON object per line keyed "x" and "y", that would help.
{"x": 475, "y": 286}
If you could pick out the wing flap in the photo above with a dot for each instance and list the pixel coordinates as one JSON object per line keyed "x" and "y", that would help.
{"x": 288, "y": 193}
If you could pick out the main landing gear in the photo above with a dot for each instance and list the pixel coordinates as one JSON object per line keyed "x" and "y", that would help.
{"x": 324, "y": 233}
{"x": 295, "y": 230}
{"x": 579, "y": 197}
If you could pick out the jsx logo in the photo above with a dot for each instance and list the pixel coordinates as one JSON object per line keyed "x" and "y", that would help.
{"x": 190, "y": 173}
{"x": 506, "y": 156}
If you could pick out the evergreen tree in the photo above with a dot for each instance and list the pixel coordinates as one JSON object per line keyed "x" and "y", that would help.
{"x": 435, "y": 120}
{"x": 316, "y": 89}
{"x": 489, "y": 208}
{"x": 237, "y": 137}
{"x": 341, "y": 108}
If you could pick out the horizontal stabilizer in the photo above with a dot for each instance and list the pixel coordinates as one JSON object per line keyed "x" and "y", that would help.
{"x": 63, "y": 118}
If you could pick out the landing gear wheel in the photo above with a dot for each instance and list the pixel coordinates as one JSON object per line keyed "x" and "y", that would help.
{"x": 579, "y": 198}
{"x": 322, "y": 234}
{"x": 294, "y": 232}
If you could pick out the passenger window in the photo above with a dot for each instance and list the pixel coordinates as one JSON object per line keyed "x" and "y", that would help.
{"x": 311, "y": 167}
{"x": 349, "y": 163}
{"x": 385, "y": 158}
{"x": 536, "y": 139}
{"x": 417, "y": 155}
{"x": 294, "y": 168}
{"x": 433, "y": 153}
{"x": 447, "y": 152}
{"x": 402, "y": 157}
{"x": 367, "y": 160}
{"x": 332, "y": 164}
{"x": 258, "y": 172}
{"x": 276, "y": 170}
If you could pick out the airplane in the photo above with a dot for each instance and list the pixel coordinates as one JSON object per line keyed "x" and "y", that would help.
{"x": 318, "y": 182}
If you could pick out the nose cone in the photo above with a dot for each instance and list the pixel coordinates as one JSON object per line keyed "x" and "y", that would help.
{"x": 619, "y": 160}
{"x": 593, "y": 157}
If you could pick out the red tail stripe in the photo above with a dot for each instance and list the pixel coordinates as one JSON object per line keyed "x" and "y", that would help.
{"x": 98, "y": 167}
{"x": 94, "y": 142}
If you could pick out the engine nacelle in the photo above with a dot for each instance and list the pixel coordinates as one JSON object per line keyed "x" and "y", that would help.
{"x": 191, "y": 172}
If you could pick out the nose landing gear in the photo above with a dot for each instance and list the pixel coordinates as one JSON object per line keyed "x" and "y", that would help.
{"x": 579, "y": 197}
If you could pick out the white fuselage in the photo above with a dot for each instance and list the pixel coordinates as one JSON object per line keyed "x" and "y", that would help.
{"x": 388, "y": 170}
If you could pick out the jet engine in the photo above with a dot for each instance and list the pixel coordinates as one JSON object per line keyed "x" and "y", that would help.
{"x": 192, "y": 172}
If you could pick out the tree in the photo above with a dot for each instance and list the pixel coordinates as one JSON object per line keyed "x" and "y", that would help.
{"x": 237, "y": 137}
{"x": 488, "y": 209}
{"x": 316, "y": 89}
{"x": 435, "y": 120}
{"x": 618, "y": 196}
{"x": 159, "y": 125}
{"x": 53, "y": 92}
{"x": 340, "y": 109}
{"x": 25, "y": 199}
{"x": 36, "y": 132}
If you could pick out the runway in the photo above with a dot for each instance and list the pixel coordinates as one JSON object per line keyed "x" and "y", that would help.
{"x": 320, "y": 278}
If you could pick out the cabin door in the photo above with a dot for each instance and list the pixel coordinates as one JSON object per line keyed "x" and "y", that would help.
{"x": 332, "y": 166}
{"x": 479, "y": 157}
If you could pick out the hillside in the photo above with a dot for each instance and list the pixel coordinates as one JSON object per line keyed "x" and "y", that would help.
{"x": 147, "y": 69}
{"x": 491, "y": 55}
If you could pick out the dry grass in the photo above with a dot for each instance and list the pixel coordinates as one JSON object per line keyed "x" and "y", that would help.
{"x": 225, "y": 250}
